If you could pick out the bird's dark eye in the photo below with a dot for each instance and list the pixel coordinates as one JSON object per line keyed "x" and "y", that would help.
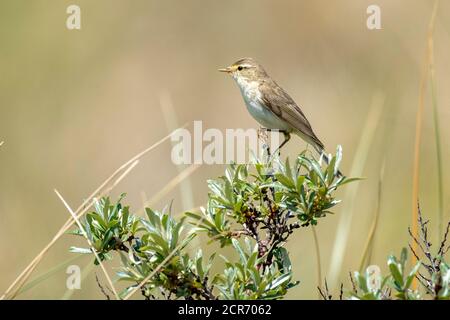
{"x": 240, "y": 68}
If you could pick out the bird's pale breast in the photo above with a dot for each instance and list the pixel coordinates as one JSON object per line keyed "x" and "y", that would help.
{"x": 260, "y": 112}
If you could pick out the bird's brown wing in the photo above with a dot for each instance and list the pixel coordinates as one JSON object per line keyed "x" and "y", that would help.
{"x": 283, "y": 106}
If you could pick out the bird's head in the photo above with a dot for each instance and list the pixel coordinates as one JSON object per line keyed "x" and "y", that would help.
{"x": 245, "y": 70}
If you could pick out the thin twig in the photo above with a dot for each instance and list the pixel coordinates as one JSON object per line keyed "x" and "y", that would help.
{"x": 101, "y": 288}
{"x": 325, "y": 293}
{"x": 442, "y": 251}
{"x": 355, "y": 290}
{"x": 412, "y": 250}
{"x": 321, "y": 293}
{"x": 433, "y": 267}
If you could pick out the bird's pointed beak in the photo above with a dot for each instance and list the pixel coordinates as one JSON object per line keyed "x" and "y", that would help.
{"x": 227, "y": 70}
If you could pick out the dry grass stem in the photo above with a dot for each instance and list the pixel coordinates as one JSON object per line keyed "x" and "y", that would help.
{"x": 171, "y": 120}
{"x": 168, "y": 187}
{"x": 418, "y": 132}
{"x": 81, "y": 210}
{"x": 368, "y": 248}
{"x": 358, "y": 163}
{"x": 94, "y": 251}
{"x": 319, "y": 264}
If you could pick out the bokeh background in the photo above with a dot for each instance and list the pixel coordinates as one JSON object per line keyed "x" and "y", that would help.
{"x": 75, "y": 105}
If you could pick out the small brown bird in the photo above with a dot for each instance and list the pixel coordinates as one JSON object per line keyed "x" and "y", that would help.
{"x": 270, "y": 105}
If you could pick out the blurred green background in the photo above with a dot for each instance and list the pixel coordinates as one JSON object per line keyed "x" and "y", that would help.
{"x": 75, "y": 105}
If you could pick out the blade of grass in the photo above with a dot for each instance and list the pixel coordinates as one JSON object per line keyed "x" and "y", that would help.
{"x": 171, "y": 120}
{"x": 359, "y": 161}
{"x": 319, "y": 264}
{"x": 418, "y": 134}
{"x": 91, "y": 245}
{"x": 185, "y": 185}
{"x": 368, "y": 248}
{"x": 172, "y": 184}
{"x": 84, "y": 273}
{"x": 67, "y": 225}
{"x": 46, "y": 275}
{"x": 440, "y": 171}
{"x": 25, "y": 274}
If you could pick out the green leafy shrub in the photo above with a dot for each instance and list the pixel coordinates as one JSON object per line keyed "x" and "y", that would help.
{"x": 371, "y": 286}
{"x": 253, "y": 207}
{"x": 398, "y": 283}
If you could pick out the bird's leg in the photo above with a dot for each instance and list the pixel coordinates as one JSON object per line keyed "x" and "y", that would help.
{"x": 287, "y": 137}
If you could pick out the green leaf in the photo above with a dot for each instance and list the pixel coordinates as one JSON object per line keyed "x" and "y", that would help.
{"x": 331, "y": 170}
{"x": 287, "y": 167}
{"x": 348, "y": 180}
{"x": 283, "y": 257}
{"x": 403, "y": 257}
{"x": 107, "y": 239}
{"x": 412, "y": 275}
{"x": 254, "y": 274}
{"x": 80, "y": 250}
{"x": 279, "y": 281}
{"x": 238, "y": 248}
{"x": 153, "y": 217}
{"x": 316, "y": 169}
{"x": 199, "y": 264}
{"x": 105, "y": 207}
{"x": 300, "y": 180}
{"x": 157, "y": 239}
{"x": 175, "y": 234}
{"x": 186, "y": 241}
{"x": 252, "y": 260}
{"x": 285, "y": 181}
{"x": 396, "y": 272}
{"x": 338, "y": 159}
{"x": 362, "y": 282}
